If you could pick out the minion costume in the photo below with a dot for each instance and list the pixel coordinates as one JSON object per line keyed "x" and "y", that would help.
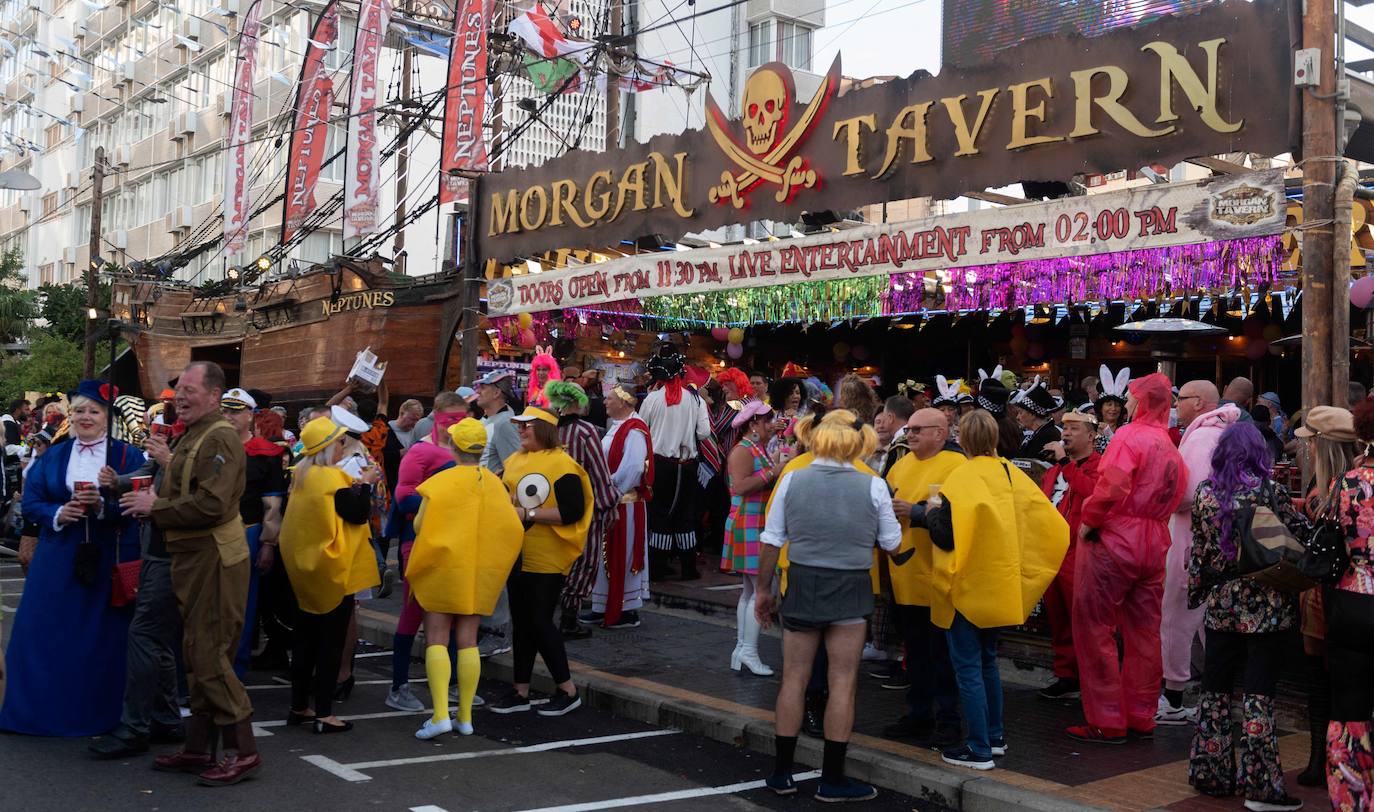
{"x": 468, "y": 536}
{"x": 531, "y": 476}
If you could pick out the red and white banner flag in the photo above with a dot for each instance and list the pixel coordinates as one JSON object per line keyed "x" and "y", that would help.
{"x": 361, "y": 195}
{"x": 464, "y": 145}
{"x": 236, "y": 203}
{"x": 310, "y": 129}
{"x": 541, "y": 34}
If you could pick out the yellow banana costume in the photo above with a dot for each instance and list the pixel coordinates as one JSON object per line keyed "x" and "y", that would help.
{"x": 326, "y": 558}
{"x": 467, "y": 538}
{"x": 1009, "y": 541}
{"x": 530, "y": 476}
{"x": 911, "y": 479}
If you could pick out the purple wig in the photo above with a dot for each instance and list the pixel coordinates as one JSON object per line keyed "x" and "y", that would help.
{"x": 1240, "y": 463}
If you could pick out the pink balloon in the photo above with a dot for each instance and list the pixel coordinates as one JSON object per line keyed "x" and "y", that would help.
{"x": 734, "y": 350}
{"x": 527, "y": 339}
{"x": 720, "y": 333}
{"x": 1362, "y": 292}
{"x": 1255, "y": 350}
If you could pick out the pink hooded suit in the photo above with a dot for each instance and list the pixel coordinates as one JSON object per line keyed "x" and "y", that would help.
{"x": 1182, "y": 624}
{"x": 1119, "y": 577}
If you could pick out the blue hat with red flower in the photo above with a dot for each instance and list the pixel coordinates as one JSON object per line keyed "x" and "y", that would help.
{"x": 99, "y": 391}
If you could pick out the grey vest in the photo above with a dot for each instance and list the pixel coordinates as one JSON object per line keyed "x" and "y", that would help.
{"x": 831, "y": 520}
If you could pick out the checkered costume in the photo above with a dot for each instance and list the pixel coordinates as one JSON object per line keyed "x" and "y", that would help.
{"x": 583, "y": 444}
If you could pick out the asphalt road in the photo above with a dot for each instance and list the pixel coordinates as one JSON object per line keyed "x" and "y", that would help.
{"x": 584, "y": 761}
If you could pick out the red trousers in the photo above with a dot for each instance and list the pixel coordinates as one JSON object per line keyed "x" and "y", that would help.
{"x": 1119, "y": 585}
{"x": 1059, "y": 614}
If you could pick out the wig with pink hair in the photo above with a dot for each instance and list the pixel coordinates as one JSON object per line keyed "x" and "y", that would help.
{"x": 543, "y": 359}
{"x": 740, "y": 381}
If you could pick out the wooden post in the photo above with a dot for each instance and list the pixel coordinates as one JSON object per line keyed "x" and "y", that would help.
{"x": 1318, "y": 204}
{"x": 92, "y": 293}
{"x": 1340, "y": 284}
{"x": 613, "y": 81}
{"x": 468, "y": 296}
{"x": 402, "y": 163}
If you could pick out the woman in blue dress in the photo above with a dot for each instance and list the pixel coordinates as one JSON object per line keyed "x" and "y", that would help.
{"x": 66, "y": 653}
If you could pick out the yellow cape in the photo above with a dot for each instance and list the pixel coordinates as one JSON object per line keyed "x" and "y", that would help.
{"x": 1009, "y": 541}
{"x": 796, "y": 464}
{"x": 911, "y": 479}
{"x": 467, "y": 538}
{"x": 530, "y": 475}
{"x": 326, "y": 557}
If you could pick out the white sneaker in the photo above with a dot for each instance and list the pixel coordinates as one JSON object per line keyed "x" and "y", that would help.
{"x": 1284, "y": 804}
{"x": 403, "y": 699}
{"x": 463, "y": 728}
{"x": 1167, "y": 714}
{"x": 430, "y": 729}
{"x": 872, "y": 653}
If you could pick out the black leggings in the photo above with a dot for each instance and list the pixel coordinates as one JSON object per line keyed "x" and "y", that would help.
{"x": 533, "y": 600}
{"x": 1350, "y": 654}
{"x": 317, "y": 649}
{"x": 1252, "y": 661}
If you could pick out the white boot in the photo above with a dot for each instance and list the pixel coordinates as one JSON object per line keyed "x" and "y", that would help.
{"x": 749, "y": 648}
{"x": 740, "y": 609}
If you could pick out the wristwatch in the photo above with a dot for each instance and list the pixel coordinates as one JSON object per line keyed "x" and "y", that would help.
{"x": 529, "y": 514}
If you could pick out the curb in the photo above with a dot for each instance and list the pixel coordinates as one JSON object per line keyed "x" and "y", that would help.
{"x": 950, "y": 789}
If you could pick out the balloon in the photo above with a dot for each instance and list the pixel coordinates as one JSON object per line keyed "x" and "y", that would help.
{"x": 1035, "y": 351}
{"x": 860, "y": 352}
{"x": 526, "y": 321}
{"x": 1018, "y": 345}
{"x": 720, "y": 333}
{"x": 1252, "y": 327}
{"x": 736, "y": 335}
{"x": 1255, "y": 350}
{"x": 1362, "y": 292}
{"x": 734, "y": 350}
{"x": 841, "y": 350}
{"x": 1272, "y": 333}
{"x": 527, "y": 339}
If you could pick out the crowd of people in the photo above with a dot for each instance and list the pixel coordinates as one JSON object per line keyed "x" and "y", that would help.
{"x": 912, "y": 530}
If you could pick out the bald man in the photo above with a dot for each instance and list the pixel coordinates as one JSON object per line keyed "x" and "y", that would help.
{"x": 1204, "y": 418}
{"x": 1241, "y": 392}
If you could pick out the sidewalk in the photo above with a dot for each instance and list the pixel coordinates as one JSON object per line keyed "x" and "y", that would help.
{"x": 674, "y": 670}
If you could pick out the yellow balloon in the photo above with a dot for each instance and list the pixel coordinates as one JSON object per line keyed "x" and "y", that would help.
{"x": 526, "y": 321}
{"x": 736, "y": 335}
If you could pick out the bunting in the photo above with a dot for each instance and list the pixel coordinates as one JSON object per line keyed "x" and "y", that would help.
{"x": 236, "y": 202}
{"x": 361, "y": 196}
{"x": 310, "y": 131}
{"x": 464, "y": 145}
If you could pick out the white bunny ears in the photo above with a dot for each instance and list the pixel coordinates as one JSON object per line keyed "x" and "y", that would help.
{"x": 1114, "y": 387}
{"x": 996, "y": 374}
{"x": 949, "y": 390}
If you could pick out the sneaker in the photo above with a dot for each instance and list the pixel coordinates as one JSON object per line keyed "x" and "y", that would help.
{"x": 964, "y": 757}
{"x": 560, "y": 705}
{"x": 511, "y": 703}
{"x": 1287, "y": 802}
{"x": 998, "y": 747}
{"x": 1096, "y": 735}
{"x": 492, "y": 645}
{"x": 463, "y": 728}
{"x": 388, "y": 583}
{"x": 1167, "y": 714}
{"x": 477, "y": 700}
{"x": 430, "y": 729}
{"x": 897, "y": 682}
{"x": 403, "y": 699}
{"x": 781, "y": 784}
{"x": 591, "y": 618}
{"x": 1061, "y": 689}
{"x": 885, "y": 669}
{"x": 628, "y": 620}
{"x": 850, "y": 790}
{"x": 872, "y": 653}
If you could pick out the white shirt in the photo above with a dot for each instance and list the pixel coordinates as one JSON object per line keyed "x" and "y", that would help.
{"x": 889, "y": 529}
{"x": 632, "y": 461}
{"x": 676, "y": 430}
{"x": 82, "y": 466}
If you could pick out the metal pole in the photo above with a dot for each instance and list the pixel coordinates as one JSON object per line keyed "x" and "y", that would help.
{"x": 468, "y": 296}
{"x": 92, "y": 295}
{"x": 1319, "y": 173}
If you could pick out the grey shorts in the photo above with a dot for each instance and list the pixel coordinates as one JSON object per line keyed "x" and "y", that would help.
{"x": 818, "y": 597}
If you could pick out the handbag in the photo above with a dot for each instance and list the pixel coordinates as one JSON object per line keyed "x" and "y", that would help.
{"x": 1269, "y": 553}
{"x": 1326, "y": 557}
{"x": 124, "y": 582}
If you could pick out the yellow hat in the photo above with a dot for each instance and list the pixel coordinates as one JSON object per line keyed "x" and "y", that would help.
{"x": 318, "y": 434}
{"x": 469, "y": 436}
{"x": 532, "y": 413}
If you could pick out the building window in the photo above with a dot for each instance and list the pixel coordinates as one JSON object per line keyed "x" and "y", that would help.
{"x": 47, "y": 274}
{"x": 760, "y": 43}
{"x": 49, "y": 203}
{"x": 796, "y": 45}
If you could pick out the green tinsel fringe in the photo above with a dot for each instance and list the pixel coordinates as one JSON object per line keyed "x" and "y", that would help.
{"x": 804, "y": 302}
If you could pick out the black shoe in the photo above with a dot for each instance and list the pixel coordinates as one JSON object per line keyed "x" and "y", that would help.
{"x": 909, "y": 727}
{"x": 294, "y": 718}
{"x": 560, "y": 705}
{"x": 941, "y": 738}
{"x": 813, "y": 723}
{"x": 512, "y": 702}
{"x": 574, "y": 631}
{"x": 166, "y": 734}
{"x": 1286, "y": 803}
{"x": 1314, "y": 775}
{"x": 112, "y": 747}
{"x": 325, "y": 728}
{"x": 344, "y": 690}
{"x": 628, "y": 620}
{"x": 591, "y": 618}
{"x": 897, "y": 682}
{"x": 850, "y": 790}
{"x": 964, "y": 757}
{"x": 1061, "y": 689}
{"x": 781, "y": 784}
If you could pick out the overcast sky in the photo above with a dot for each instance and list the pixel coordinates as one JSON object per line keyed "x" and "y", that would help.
{"x": 880, "y": 37}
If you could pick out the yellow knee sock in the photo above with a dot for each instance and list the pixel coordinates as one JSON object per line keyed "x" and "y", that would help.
{"x": 469, "y": 672}
{"x": 438, "y": 671}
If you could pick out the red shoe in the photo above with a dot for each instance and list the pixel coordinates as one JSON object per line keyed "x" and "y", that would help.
{"x": 1096, "y": 735}
{"x": 231, "y": 770}
{"x": 182, "y": 762}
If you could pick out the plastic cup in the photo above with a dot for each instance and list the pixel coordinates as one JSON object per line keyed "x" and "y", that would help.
{"x": 933, "y": 494}
{"x": 141, "y": 483}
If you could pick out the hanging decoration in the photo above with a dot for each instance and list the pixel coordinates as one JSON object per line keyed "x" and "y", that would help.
{"x": 236, "y": 203}
{"x": 314, "y": 95}
{"x": 361, "y": 195}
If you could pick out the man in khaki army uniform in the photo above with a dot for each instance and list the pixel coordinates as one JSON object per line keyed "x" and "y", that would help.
{"x": 197, "y": 510}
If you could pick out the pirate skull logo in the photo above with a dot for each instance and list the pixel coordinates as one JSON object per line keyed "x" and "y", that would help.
{"x": 764, "y": 108}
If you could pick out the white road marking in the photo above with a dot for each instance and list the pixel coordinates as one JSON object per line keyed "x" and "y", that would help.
{"x": 287, "y": 684}
{"x": 353, "y": 772}
{"x": 263, "y": 728}
{"x": 386, "y": 653}
{"x": 428, "y": 808}
{"x": 665, "y": 797}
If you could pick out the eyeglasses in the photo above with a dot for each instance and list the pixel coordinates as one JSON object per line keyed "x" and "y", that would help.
{"x": 1189, "y": 397}
{"x": 523, "y": 426}
{"x": 922, "y": 428}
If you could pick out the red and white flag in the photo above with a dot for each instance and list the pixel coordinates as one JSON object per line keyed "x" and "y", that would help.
{"x": 463, "y": 144}
{"x": 541, "y": 34}
{"x": 361, "y": 195}
{"x": 310, "y": 131}
{"x": 240, "y": 132}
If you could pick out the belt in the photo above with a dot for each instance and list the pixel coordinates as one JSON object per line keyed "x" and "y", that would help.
{"x": 629, "y": 498}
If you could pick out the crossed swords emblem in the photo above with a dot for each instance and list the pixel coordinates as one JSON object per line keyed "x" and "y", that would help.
{"x": 776, "y": 163}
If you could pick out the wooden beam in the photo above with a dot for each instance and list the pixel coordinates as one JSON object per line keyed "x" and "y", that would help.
{"x": 994, "y": 197}
{"x": 1218, "y": 165}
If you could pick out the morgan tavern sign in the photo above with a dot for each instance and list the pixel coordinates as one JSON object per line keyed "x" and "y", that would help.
{"x": 1180, "y": 87}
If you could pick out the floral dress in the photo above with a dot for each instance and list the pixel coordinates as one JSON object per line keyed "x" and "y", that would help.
{"x": 1242, "y": 606}
{"x": 744, "y": 525}
{"x": 1350, "y": 607}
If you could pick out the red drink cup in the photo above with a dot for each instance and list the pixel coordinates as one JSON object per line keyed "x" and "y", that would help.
{"x": 141, "y": 483}
{"x": 80, "y": 487}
